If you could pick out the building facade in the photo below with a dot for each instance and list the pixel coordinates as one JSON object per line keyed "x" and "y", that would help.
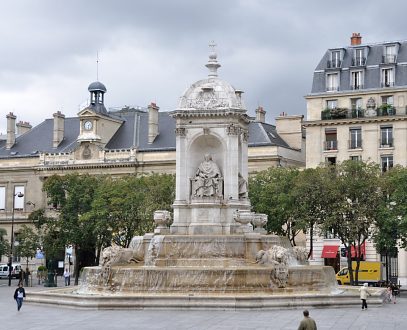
{"x": 116, "y": 142}
{"x": 357, "y": 109}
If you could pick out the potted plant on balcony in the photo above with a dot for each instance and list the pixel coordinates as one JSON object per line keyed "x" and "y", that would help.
{"x": 339, "y": 113}
{"x": 386, "y": 110}
{"x": 326, "y": 114}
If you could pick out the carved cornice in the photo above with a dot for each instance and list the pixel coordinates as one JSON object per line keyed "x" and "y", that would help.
{"x": 229, "y": 112}
{"x": 180, "y": 131}
{"x": 233, "y": 129}
{"x": 352, "y": 121}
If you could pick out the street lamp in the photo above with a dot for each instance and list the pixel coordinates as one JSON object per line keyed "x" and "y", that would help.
{"x": 10, "y": 258}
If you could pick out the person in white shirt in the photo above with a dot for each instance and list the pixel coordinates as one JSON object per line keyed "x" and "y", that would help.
{"x": 67, "y": 277}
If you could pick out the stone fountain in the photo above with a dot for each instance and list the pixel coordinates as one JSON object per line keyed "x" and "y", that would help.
{"x": 214, "y": 253}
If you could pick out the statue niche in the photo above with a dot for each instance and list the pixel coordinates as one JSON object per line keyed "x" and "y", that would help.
{"x": 208, "y": 179}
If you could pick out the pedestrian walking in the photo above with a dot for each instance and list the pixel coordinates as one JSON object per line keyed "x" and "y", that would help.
{"x": 307, "y": 322}
{"x": 67, "y": 277}
{"x": 364, "y": 292}
{"x": 19, "y": 295}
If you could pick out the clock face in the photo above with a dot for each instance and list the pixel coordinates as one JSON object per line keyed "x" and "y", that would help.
{"x": 87, "y": 125}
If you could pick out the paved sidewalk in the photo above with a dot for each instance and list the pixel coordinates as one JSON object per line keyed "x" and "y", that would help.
{"x": 38, "y": 317}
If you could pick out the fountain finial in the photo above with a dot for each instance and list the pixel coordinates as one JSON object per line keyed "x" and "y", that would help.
{"x": 212, "y": 64}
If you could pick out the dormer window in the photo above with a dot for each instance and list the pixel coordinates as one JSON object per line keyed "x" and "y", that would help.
{"x": 332, "y": 82}
{"x": 359, "y": 58}
{"x": 390, "y": 54}
{"x": 387, "y": 77}
{"x": 335, "y": 61}
{"x": 356, "y": 80}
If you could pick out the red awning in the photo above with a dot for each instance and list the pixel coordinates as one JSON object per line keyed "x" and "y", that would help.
{"x": 330, "y": 251}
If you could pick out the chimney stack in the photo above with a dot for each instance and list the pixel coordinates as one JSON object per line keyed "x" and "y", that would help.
{"x": 59, "y": 126}
{"x": 11, "y": 130}
{"x": 260, "y": 115}
{"x": 152, "y": 122}
{"x": 290, "y": 129}
{"x": 23, "y": 127}
{"x": 356, "y": 39}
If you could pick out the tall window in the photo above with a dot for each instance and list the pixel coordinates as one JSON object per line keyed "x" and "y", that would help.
{"x": 387, "y": 77}
{"x": 2, "y": 198}
{"x": 359, "y": 58}
{"x": 356, "y": 82}
{"x": 390, "y": 54}
{"x": 332, "y": 81}
{"x": 386, "y": 162}
{"x": 336, "y": 58}
{"x": 18, "y": 201}
{"x": 331, "y": 140}
{"x": 386, "y": 136}
{"x": 355, "y": 141}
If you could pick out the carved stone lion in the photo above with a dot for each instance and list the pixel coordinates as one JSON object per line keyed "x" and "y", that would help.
{"x": 116, "y": 255}
{"x": 278, "y": 257}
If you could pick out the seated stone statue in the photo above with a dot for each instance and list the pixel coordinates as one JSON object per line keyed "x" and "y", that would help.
{"x": 207, "y": 179}
{"x": 242, "y": 187}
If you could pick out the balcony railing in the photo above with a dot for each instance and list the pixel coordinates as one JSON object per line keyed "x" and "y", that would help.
{"x": 345, "y": 113}
{"x": 356, "y": 87}
{"x": 358, "y": 61}
{"x": 388, "y": 59}
{"x": 331, "y": 145}
{"x": 332, "y": 88}
{"x": 334, "y": 64}
{"x": 387, "y": 84}
{"x": 355, "y": 144}
{"x": 386, "y": 143}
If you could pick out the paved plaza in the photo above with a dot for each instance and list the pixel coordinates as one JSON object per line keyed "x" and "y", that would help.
{"x": 33, "y": 317}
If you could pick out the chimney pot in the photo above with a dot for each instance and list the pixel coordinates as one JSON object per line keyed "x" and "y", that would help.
{"x": 356, "y": 39}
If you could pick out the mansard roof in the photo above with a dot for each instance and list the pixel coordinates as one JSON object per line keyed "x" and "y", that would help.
{"x": 133, "y": 133}
{"x": 372, "y": 66}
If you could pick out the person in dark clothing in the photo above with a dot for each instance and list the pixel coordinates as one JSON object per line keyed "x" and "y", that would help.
{"x": 307, "y": 323}
{"x": 19, "y": 295}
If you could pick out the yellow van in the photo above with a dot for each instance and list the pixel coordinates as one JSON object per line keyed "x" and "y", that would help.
{"x": 369, "y": 272}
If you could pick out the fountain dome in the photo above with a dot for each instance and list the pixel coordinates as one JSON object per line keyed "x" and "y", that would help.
{"x": 212, "y": 93}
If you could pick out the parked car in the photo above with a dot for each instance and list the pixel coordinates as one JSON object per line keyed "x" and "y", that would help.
{"x": 15, "y": 270}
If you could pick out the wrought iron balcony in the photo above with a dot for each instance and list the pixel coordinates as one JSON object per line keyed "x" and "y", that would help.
{"x": 334, "y": 64}
{"x": 359, "y": 61}
{"x": 386, "y": 143}
{"x": 389, "y": 59}
{"x": 345, "y": 113}
{"x": 356, "y": 87}
{"x": 387, "y": 84}
{"x": 331, "y": 145}
{"x": 332, "y": 88}
{"x": 355, "y": 144}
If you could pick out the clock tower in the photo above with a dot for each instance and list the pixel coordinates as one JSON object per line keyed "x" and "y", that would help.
{"x": 96, "y": 125}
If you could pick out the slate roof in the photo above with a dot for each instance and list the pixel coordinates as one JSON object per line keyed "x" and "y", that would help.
{"x": 371, "y": 68}
{"x": 132, "y": 133}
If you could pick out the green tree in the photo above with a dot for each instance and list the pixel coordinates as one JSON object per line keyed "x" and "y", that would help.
{"x": 391, "y": 226}
{"x": 123, "y": 207}
{"x": 4, "y": 244}
{"x": 311, "y": 199}
{"x": 28, "y": 242}
{"x": 271, "y": 192}
{"x": 73, "y": 195}
{"x": 355, "y": 198}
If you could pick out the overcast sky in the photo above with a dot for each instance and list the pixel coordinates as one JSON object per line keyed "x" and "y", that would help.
{"x": 153, "y": 50}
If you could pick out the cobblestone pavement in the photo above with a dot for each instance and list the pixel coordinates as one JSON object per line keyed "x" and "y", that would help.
{"x": 33, "y": 317}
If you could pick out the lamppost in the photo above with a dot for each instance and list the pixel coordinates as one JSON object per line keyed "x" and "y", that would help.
{"x": 10, "y": 258}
